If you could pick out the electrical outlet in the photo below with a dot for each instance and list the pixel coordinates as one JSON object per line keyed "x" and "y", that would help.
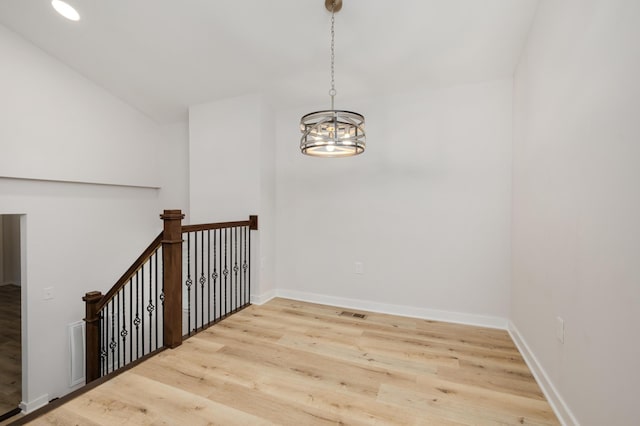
{"x": 47, "y": 293}
{"x": 560, "y": 329}
{"x": 359, "y": 268}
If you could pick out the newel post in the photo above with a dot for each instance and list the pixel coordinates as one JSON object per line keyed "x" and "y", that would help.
{"x": 92, "y": 336}
{"x": 172, "y": 261}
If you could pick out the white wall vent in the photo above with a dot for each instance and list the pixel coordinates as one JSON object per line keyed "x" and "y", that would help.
{"x": 76, "y": 349}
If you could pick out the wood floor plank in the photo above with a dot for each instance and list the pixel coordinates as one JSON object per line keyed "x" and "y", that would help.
{"x": 452, "y": 409}
{"x": 492, "y": 380}
{"x": 297, "y": 363}
{"x": 282, "y": 399}
{"x": 481, "y": 356}
{"x": 120, "y": 401}
{"x": 500, "y": 402}
{"x": 64, "y": 416}
{"x": 342, "y": 354}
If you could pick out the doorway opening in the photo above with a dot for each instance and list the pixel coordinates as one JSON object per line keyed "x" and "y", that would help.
{"x": 11, "y": 281}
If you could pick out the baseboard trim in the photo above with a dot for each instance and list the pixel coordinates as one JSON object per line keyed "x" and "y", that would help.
{"x": 558, "y": 404}
{"x": 259, "y": 299}
{"x": 33, "y": 405}
{"x": 385, "y": 308}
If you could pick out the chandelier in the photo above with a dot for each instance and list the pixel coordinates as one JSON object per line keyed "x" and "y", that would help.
{"x": 332, "y": 133}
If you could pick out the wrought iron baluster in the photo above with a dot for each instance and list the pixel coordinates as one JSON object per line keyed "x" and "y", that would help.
{"x": 124, "y": 332}
{"x": 142, "y": 308}
{"x": 161, "y": 297}
{"x": 247, "y": 262}
{"x": 236, "y": 268}
{"x": 189, "y": 283}
{"x": 150, "y": 307}
{"x": 203, "y": 279}
{"x": 103, "y": 344}
{"x": 155, "y": 256}
{"x": 215, "y": 275}
{"x": 208, "y": 276}
{"x": 226, "y": 273}
{"x": 230, "y": 289}
{"x": 136, "y": 321}
{"x": 195, "y": 276}
{"x": 131, "y": 318}
{"x": 106, "y": 339}
{"x": 241, "y": 283}
{"x": 117, "y": 300}
{"x": 244, "y": 265}
{"x": 112, "y": 342}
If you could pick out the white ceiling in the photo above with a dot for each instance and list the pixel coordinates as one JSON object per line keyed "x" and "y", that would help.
{"x": 163, "y": 55}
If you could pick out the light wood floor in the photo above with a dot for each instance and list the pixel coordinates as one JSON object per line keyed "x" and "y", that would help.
{"x": 295, "y": 363}
{"x": 10, "y": 358}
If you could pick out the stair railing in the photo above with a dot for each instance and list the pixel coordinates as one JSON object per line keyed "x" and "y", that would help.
{"x": 145, "y": 310}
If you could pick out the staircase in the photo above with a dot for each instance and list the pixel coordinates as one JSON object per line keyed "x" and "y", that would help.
{"x": 188, "y": 278}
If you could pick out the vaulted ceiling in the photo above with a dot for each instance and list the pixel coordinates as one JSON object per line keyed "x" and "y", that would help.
{"x": 163, "y": 55}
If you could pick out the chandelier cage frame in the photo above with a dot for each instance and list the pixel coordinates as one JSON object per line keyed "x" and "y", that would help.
{"x": 332, "y": 133}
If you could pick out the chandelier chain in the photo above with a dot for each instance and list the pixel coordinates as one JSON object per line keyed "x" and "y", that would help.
{"x": 332, "y": 92}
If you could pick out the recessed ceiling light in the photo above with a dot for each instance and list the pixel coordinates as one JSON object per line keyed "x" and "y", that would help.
{"x": 65, "y": 10}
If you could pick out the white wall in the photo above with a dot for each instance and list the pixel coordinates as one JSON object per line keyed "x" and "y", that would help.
{"x": 576, "y": 207}
{"x": 231, "y": 172}
{"x": 267, "y": 219}
{"x": 174, "y": 167}
{"x": 57, "y": 126}
{"x": 426, "y": 208}
{"x": 224, "y": 159}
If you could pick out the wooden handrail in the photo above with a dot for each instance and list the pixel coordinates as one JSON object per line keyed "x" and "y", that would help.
{"x": 146, "y": 254}
{"x": 252, "y": 223}
{"x": 155, "y": 244}
{"x": 209, "y": 226}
